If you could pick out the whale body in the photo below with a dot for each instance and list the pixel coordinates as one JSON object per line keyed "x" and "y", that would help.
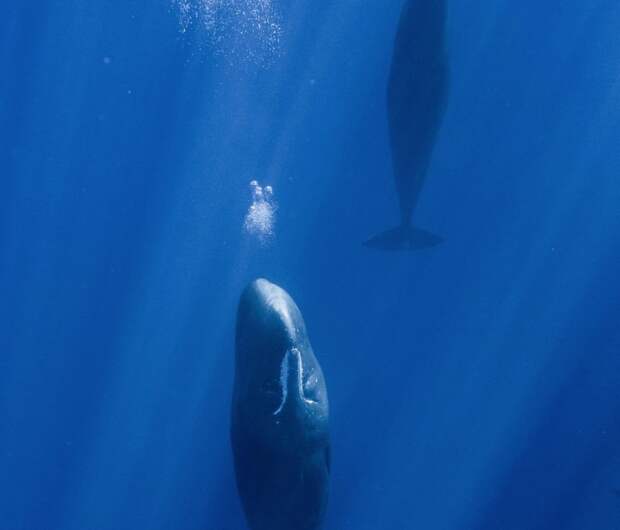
{"x": 416, "y": 98}
{"x": 279, "y": 414}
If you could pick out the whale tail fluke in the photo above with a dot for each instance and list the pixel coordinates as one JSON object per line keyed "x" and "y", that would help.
{"x": 403, "y": 238}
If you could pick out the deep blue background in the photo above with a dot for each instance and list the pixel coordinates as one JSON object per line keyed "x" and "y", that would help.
{"x": 472, "y": 386}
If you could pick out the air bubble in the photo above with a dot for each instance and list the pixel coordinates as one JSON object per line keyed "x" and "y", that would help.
{"x": 240, "y": 30}
{"x": 261, "y": 215}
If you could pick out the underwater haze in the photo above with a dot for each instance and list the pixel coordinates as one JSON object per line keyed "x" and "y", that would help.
{"x": 157, "y": 156}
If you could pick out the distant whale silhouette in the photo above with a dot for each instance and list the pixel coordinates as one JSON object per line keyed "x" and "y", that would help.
{"x": 279, "y": 420}
{"x": 416, "y": 99}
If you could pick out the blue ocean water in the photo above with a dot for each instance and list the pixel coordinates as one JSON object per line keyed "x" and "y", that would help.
{"x": 474, "y": 385}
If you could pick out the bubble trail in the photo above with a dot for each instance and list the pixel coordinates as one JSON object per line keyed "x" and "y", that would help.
{"x": 241, "y": 30}
{"x": 261, "y": 215}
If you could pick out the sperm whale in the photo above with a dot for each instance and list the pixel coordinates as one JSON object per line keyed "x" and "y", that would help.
{"x": 416, "y": 98}
{"x": 279, "y": 414}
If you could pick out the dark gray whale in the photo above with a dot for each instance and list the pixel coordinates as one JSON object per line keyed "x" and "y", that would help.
{"x": 416, "y": 98}
{"x": 279, "y": 416}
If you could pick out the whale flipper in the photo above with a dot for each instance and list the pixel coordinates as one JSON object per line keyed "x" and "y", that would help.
{"x": 403, "y": 238}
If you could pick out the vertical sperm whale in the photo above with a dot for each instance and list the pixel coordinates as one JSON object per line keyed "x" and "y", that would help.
{"x": 416, "y": 98}
{"x": 279, "y": 416}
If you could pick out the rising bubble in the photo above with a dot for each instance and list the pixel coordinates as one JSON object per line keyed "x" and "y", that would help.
{"x": 261, "y": 215}
{"x": 241, "y": 30}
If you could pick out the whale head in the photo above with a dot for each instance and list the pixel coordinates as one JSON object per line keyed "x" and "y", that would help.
{"x": 278, "y": 381}
{"x": 279, "y": 415}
